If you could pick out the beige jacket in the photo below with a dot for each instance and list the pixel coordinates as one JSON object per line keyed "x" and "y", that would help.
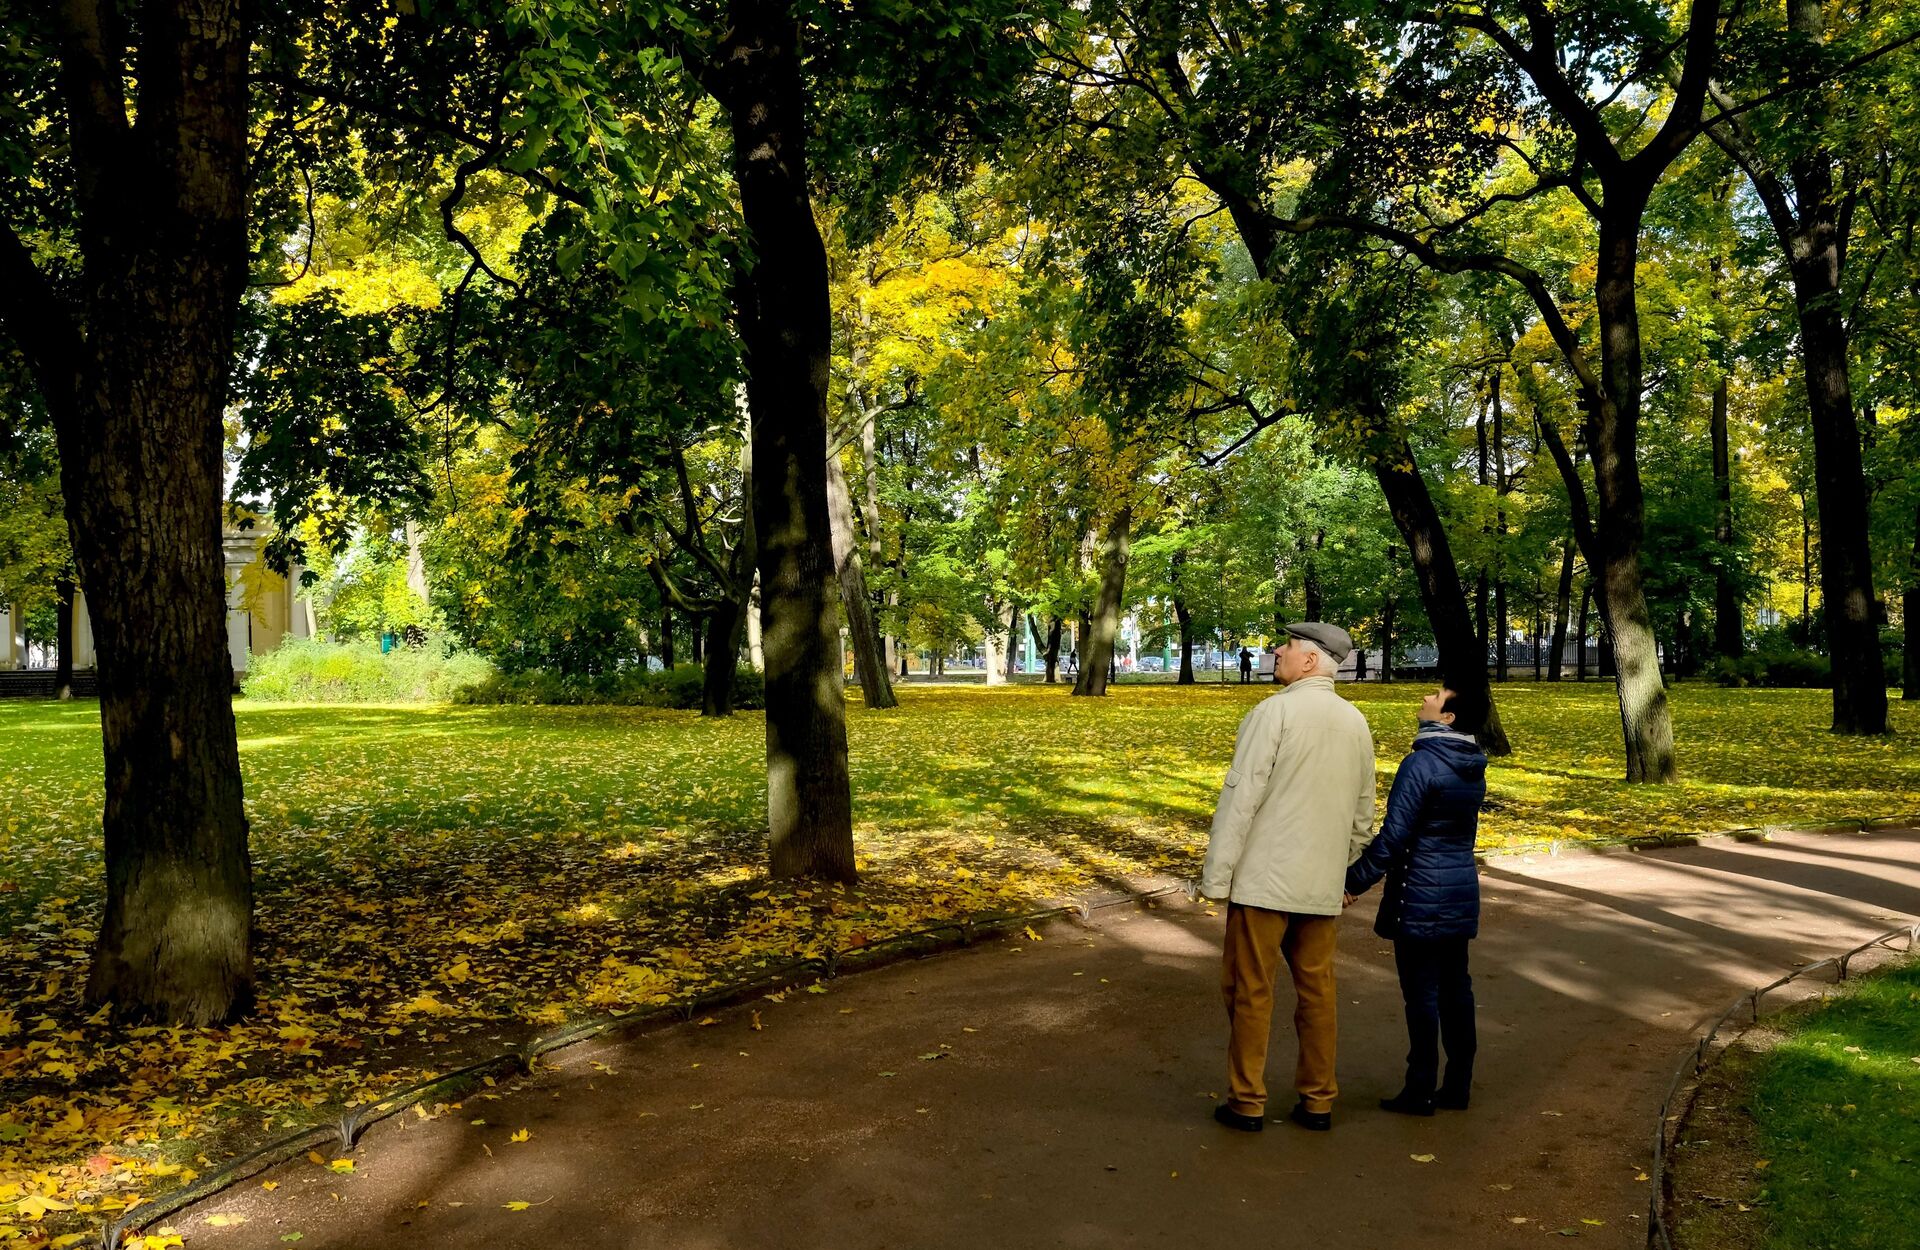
{"x": 1298, "y": 804}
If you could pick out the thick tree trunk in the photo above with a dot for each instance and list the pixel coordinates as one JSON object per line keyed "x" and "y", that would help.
{"x": 1846, "y": 561}
{"x": 63, "y": 638}
{"x": 696, "y": 638}
{"x": 786, "y": 330}
{"x": 1729, "y": 636}
{"x": 1562, "y": 603}
{"x": 134, "y": 374}
{"x": 869, "y": 659}
{"x": 1646, "y": 720}
{"x": 1462, "y": 658}
{"x": 1502, "y": 625}
{"x": 1185, "y": 618}
{"x": 666, "y": 636}
{"x": 1315, "y": 601}
{"x": 1054, "y": 630}
{"x": 1096, "y": 648}
{"x": 1015, "y": 627}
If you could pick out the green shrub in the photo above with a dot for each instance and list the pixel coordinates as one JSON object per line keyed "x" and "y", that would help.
{"x": 672, "y": 688}
{"x": 311, "y": 671}
{"x": 1778, "y": 669}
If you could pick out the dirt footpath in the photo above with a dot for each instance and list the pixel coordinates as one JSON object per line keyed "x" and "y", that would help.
{"x": 1057, "y": 1093}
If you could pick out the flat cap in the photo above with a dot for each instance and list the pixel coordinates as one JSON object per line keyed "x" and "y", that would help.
{"x": 1334, "y": 640}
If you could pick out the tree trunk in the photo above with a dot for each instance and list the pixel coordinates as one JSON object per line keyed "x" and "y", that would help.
{"x": 1562, "y": 602}
{"x": 1315, "y": 603}
{"x": 1910, "y": 611}
{"x": 725, "y": 624}
{"x": 666, "y": 636}
{"x": 696, "y": 640}
{"x": 1840, "y": 485}
{"x": 1502, "y": 623}
{"x": 1586, "y": 627}
{"x": 1462, "y": 658}
{"x": 786, "y": 329}
{"x": 1096, "y": 648}
{"x": 134, "y": 372}
{"x": 1646, "y": 720}
{"x": 1054, "y": 631}
{"x": 1185, "y": 617}
{"x": 1015, "y": 626}
{"x": 1389, "y": 609}
{"x": 869, "y": 659}
{"x": 63, "y": 638}
{"x": 1729, "y": 636}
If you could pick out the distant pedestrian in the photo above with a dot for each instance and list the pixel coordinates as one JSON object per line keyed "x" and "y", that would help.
{"x": 1073, "y": 662}
{"x": 1296, "y": 809}
{"x": 1430, "y": 908}
{"x": 1246, "y": 666}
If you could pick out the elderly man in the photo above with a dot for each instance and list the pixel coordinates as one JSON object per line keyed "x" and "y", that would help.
{"x": 1296, "y": 809}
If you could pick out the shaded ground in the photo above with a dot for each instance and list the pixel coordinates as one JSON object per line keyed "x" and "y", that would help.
{"x": 1055, "y": 1093}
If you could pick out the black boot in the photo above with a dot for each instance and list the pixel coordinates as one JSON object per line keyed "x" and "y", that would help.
{"x": 1406, "y": 1102}
{"x": 1317, "y": 1121}
{"x": 1451, "y": 1099}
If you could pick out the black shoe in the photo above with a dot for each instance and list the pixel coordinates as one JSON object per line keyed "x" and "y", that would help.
{"x": 1233, "y": 1119}
{"x": 1448, "y": 1100}
{"x": 1318, "y": 1121}
{"x": 1404, "y": 1103}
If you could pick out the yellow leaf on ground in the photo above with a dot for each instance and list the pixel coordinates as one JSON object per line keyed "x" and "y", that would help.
{"x": 223, "y": 1220}
{"x": 1421, "y": 1158}
{"x": 522, "y": 1135}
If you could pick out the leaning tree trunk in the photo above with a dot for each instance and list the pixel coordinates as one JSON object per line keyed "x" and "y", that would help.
{"x": 1463, "y": 660}
{"x": 786, "y": 329}
{"x": 1096, "y": 649}
{"x": 1729, "y": 636}
{"x": 63, "y": 638}
{"x": 1562, "y": 603}
{"x": 1014, "y": 628}
{"x": 135, "y": 374}
{"x": 1646, "y": 720}
{"x": 869, "y": 656}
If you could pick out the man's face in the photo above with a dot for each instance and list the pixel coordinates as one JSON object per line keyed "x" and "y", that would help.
{"x": 1293, "y": 660}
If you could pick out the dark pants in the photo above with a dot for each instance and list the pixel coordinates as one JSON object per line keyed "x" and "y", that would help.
{"x": 1439, "y": 997}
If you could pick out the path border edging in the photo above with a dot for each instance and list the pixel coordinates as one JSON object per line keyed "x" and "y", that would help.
{"x": 1698, "y": 1059}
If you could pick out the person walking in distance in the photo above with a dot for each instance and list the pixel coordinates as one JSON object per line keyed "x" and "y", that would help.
{"x": 1296, "y": 810}
{"x": 1430, "y": 909}
{"x": 1246, "y": 666}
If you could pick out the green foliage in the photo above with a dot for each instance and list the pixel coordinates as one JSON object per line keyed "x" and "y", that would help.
{"x": 302, "y": 670}
{"x": 678, "y": 687}
{"x": 1779, "y": 669}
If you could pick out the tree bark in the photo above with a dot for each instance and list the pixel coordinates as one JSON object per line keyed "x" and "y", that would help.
{"x": 1586, "y": 627}
{"x": 786, "y": 329}
{"x": 1315, "y": 601}
{"x": 137, "y": 402}
{"x": 1729, "y": 636}
{"x": 1910, "y": 610}
{"x": 63, "y": 638}
{"x": 1502, "y": 625}
{"x": 1462, "y": 659}
{"x": 869, "y": 660}
{"x": 725, "y": 624}
{"x": 1014, "y": 628}
{"x": 1562, "y": 603}
{"x": 1096, "y": 649}
{"x": 1185, "y": 617}
{"x": 666, "y": 636}
{"x": 1646, "y": 720}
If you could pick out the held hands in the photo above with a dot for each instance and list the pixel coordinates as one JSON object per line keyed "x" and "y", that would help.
{"x": 1348, "y": 900}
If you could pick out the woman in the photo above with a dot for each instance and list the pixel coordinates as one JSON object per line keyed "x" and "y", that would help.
{"x": 1431, "y": 907}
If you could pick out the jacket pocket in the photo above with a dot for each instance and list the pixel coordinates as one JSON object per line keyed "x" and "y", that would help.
{"x": 1233, "y": 776}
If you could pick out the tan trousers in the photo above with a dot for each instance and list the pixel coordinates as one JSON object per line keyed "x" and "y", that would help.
{"x": 1257, "y": 940}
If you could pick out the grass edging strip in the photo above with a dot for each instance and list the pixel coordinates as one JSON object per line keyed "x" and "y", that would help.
{"x": 1555, "y": 847}
{"x": 1698, "y": 1058}
{"x": 347, "y": 1130}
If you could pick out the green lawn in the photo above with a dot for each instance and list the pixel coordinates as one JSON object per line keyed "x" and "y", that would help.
{"x": 1818, "y": 1135}
{"x": 432, "y": 880}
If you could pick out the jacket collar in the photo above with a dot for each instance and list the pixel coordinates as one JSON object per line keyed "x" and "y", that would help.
{"x": 1309, "y": 683}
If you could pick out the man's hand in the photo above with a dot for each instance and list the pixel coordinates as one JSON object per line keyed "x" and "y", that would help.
{"x": 1348, "y": 900}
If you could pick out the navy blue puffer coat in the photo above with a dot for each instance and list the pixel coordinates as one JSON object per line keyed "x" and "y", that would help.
{"x": 1425, "y": 845}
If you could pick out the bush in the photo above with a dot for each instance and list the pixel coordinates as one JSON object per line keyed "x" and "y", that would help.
{"x": 311, "y": 671}
{"x": 671, "y": 688}
{"x": 1778, "y": 669}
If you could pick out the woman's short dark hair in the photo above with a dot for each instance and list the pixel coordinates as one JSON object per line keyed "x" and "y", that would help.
{"x": 1469, "y": 708}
